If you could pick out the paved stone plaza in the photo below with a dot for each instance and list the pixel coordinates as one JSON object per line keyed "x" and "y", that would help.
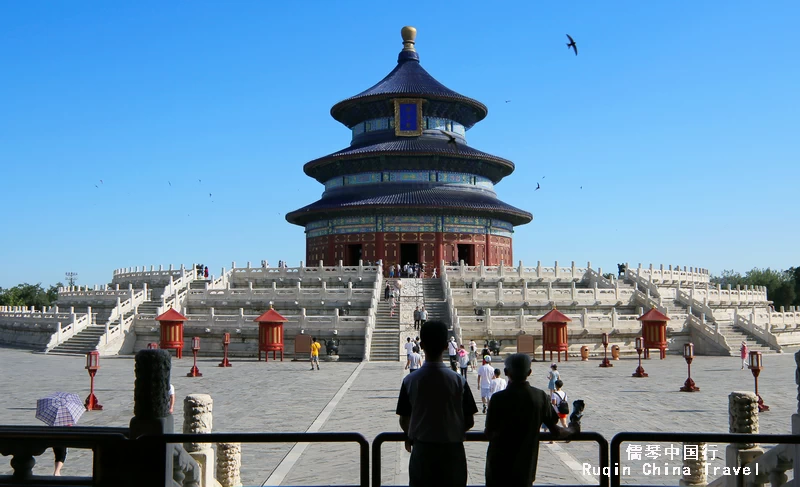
{"x": 283, "y": 397}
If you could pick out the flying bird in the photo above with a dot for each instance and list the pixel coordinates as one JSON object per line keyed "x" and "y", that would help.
{"x": 170, "y": 184}
{"x": 508, "y": 101}
{"x": 209, "y": 195}
{"x": 101, "y": 181}
{"x": 450, "y": 139}
{"x": 537, "y": 187}
{"x": 96, "y": 186}
{"x": 572, "y": 44}
{"x": 199, "y": 180}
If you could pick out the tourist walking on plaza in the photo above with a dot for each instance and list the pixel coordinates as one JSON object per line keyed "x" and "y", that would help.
{"x": 512, "y": 427}
{"x": 171, "y": 398}
{"x": 315, "y": 346}
{"x": 463, "y": 361}
{"x": 435, "y": 420}
{"x": 416, "y": 318}
{"x": 452, "y": 352}
{"x": 743, "y": 353}
{"x": 473, "y": 355}
{"x": 560, "y": 403}
{"x": 485, "y": 376}
{"x": 498, "y": 384}
{"x": 414, "y": 360}
{"x": 423, "y": 316}
{"x": 552, "y": 377}
{"x": 409, "y": 347}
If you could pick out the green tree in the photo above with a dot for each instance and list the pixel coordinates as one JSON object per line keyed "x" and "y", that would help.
{"x": 28, "y": 295}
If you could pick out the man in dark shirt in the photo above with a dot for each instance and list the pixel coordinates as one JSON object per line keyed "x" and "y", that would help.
{"x": 512, "y": 425}
{"x": 436, "y": 408}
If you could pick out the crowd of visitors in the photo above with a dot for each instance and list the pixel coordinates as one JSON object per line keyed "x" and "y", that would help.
{"x": 410, "y": 270}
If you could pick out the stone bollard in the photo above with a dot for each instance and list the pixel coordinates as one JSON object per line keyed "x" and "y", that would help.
{"x": 197, "y": 419}
{"x": 742, "y": 418}
{"x": 151, "y": 393}
{"x": 696, "y": 466}
{"x": 615, "y": 352}
{"x": 229, "y": 462}
{"x": 584, "y": 353}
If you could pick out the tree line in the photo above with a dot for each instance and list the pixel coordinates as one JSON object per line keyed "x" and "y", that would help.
{"x": 783, "y": 287}
{"x": 29, "y": 295}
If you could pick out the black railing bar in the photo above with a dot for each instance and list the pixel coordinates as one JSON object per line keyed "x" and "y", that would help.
{"x": 259, "y": 438}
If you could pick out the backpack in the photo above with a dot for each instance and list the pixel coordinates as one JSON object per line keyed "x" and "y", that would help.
{"x": 563, "y": 406}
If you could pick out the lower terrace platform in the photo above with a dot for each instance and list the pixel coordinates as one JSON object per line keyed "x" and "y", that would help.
{"x": 287, "y": 397}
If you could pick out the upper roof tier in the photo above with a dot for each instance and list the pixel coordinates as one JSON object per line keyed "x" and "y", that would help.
{"x": 409, "y": 79}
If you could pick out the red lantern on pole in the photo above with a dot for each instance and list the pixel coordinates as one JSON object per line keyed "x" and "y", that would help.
{"x": 755, "y": 367}
{"x": 195, "y": 372}
{"x": 605, "y": 362}
{"x": 92, "y": 365}
{"x": 688, "y": 354}
{"x": 226, "y": 340}
{"x": 639, "y": 347}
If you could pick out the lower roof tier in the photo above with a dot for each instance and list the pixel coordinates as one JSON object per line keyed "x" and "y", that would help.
{"x": 433, "y": 201}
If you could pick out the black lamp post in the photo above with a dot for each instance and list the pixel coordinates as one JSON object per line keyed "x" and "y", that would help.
{"x": 755, "y": 368}
{"x": 688, "y": 354}
{"x": 639, "y": 347}
{"x": 605, "y": 362}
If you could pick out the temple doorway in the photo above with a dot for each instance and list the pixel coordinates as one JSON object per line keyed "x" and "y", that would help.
{"x": 409, "y": 253}
{"x": 353, "y": 254}
{"x": 466, "y": 252}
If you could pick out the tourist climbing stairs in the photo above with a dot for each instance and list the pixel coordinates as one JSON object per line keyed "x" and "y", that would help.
{"x": 84, "y": 342}
{"x": 433, "y": 299}
{"x": 385, "y": 344}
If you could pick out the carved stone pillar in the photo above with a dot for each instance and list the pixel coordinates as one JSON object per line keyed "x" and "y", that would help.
{"x": 697, "y": 475}
{"x": 229, "y": 463}
{"x": 742, "y": 418}
{"x": 197, "y": 419}
{"x": 796, "y": 416}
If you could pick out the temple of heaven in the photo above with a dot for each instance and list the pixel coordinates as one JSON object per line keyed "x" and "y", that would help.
{"x": 409, "y": 188}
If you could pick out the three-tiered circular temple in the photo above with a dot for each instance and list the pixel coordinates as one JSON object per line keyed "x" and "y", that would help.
{"x": 409, "y": 188}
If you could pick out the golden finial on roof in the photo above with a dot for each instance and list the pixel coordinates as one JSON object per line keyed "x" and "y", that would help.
{"x": 409, "y": 35}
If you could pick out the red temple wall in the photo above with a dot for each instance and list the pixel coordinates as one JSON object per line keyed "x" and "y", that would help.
{"x": 432, "y": 248}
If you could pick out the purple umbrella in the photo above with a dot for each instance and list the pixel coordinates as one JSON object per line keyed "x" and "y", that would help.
{"x": 60, "y": 409}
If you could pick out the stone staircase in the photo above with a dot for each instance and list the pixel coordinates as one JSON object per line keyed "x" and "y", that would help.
{"x": 199, "y": 284}
{"x": 385, "y": 345}
{"x": 84, "y": 342}
{"x": 733, "y": 335}
{"x": 433, "y": 299}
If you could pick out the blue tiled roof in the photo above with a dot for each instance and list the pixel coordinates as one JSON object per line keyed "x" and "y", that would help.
{"x": 449, "y": 200}
{"x": 412, "y": 146}
{"x": 408, "y": 79}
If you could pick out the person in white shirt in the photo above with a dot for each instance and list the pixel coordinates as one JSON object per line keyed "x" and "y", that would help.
{"x": 409, "y": 346}
{"x": 473, "y": 355}
{"x": 414, "y": 360}
{"x": 485, "y": 377}
{"x": 452, "y": 351}
{"x": 498, "y": 384}
{"x": 171, "y": 394}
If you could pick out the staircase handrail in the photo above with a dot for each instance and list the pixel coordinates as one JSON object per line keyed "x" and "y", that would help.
{"x": 639, "y": 281}
{"x": 372, "y": 314}
{"x": 699, "y": 308}
{"x": 594, "y": 276}
{"x": 764, "y": 333}
{"x": 222, "y": 281}
{"x": 451, "y": 307}
{"x": 649, "y": 301}
{"x": 709, "y": 330}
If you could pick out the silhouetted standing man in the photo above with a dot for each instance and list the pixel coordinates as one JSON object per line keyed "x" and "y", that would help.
{"x": 512, "y": 426}
{"x": 436, "y": 408}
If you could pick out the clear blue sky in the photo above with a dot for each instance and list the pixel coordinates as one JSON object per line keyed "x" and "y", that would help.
{"x": 679, "y": 119}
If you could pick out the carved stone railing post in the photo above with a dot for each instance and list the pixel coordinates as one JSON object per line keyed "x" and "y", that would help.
{"x": 742, "y": 418}
{"x": 229, "y": 463}
{"x": 696, "y": 465}
{"x": 197, "y": 419}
